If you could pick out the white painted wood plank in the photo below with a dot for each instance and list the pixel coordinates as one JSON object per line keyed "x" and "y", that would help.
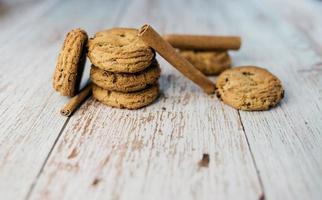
{"x": 30, "y": 120}
{"x": 153, "y": 153}
{"x": 286, "y": 141}
{"x": 280, "y": 132}
{"x": 18, "y": 15}
{"x": 306, "y": 16}
{"x": 11, "y": 12}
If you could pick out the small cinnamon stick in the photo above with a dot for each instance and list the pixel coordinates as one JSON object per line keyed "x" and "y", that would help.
{"x": 155, "y": 41}
{"x": 76, "y": 101}
{"x": 203, "y": 42}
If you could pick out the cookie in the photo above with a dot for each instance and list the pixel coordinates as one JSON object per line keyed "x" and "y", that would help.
{"x": 132, "y": 100}
{"x": 249, "y": 88}
{"x": 70, "y": 63}
{"x": 119, "y": 50}
{"x": 125, "y": 82}
{"x": 208, "y": 62}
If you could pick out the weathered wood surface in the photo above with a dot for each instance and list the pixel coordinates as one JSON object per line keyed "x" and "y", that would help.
{"x": 30, "y": 122}
{"x": 155, "y": 152}
{"x": 286, "y": 141}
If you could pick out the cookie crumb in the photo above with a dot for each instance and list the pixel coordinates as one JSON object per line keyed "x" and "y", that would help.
{"x": 73, "y": 154}
{"x": 204, "y": 162}
{"x": 96, "y": 181}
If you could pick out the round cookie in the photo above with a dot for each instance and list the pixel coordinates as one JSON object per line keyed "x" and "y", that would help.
{"x": 133, "y": 100}
{"x": 70, "y": 63}
{"x": 124, "y": 82}
{"x": 119, "y": 50}
{"x": 208, "y": 62}
{"x": 249, "y": 88}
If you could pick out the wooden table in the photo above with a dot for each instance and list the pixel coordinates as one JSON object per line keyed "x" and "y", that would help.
{"x": 154, "y": 153}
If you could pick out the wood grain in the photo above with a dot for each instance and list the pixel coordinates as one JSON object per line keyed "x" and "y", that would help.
{"x": 153, "y": 153}
{"x": 286, "y": 141}
{"x": 30, "y": 121}
{"x": 305, "y": 17}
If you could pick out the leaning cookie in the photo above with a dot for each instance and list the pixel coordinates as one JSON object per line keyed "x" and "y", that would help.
{"x": 70, "y": 63}
{"x": 133, "y": 100}
{"x": 125, "y": 82}
{"x": 119, "y": 50}
{"x": 249, "y": 88}
{"x": 208, "y": 62}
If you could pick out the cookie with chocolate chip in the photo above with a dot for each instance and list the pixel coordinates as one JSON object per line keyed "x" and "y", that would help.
{"x": 208, "y": 62}
{"x": 128, "y": 100}
{"x": 249, "y": 88}
{"x": 70, "y": 63}
{"x": 119, "y": 50}
{"x": 125, "y": 82}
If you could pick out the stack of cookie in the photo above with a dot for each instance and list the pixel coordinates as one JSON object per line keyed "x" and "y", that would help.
{"x": 125, "y": 73}
{"x": 124, "y": 70}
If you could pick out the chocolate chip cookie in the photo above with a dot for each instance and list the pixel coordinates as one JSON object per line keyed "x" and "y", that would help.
{"x": 208, "y": 62}
{"x": 70, "y": 63}
{"x": 131, "y": 100}
{"x": 249, "y": 88}
{"x": 119, "y": 50}
{"x": 125, "y": 82}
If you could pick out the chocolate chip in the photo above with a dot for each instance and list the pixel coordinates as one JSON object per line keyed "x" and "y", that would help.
{"x": 218, "y": 95}
{"x": 204, "y": 162}
{"x": 96, "y": 181}
{"x": 247, "y": 74}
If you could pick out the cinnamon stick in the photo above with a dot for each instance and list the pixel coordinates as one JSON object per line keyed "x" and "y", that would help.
{"x": 203, "y": 42}
{"x": 76, "y": 101}
{"x": 155, "y": 41}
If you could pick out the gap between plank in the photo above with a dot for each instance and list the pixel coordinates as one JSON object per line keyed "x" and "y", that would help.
{"x": 262, "y": 196}
{"x": 45, "y": 162}
{"x": 33, "y": 185}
